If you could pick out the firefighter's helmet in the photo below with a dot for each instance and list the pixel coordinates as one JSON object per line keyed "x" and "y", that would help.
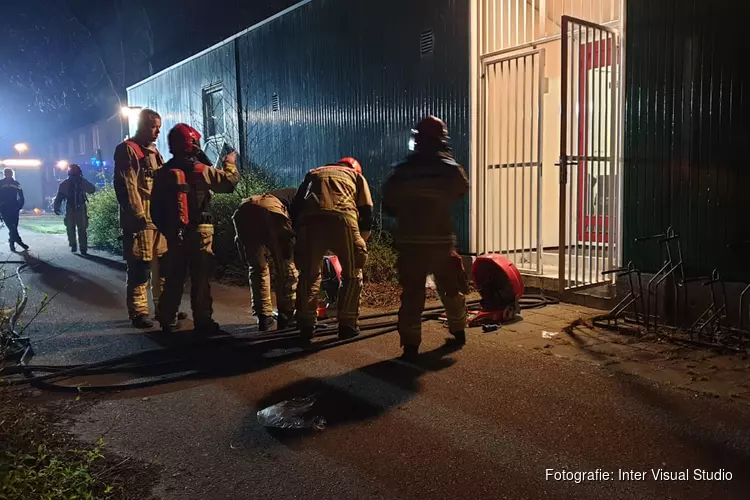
{"x": 351, "y": 163}
{"x": 183, "y": 139}
{"x": 74, "y": 169}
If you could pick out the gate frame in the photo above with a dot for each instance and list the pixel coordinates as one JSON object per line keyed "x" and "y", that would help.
{"x": 482, "y": 189}
{"x": 614, "y": 247}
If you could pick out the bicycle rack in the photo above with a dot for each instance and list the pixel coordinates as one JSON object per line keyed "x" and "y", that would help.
{"x": 715, "y": 315}
{"x": 611, "y": 319}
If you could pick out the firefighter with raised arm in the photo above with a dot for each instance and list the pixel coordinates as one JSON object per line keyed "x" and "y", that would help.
{"x": 180, "y": 209}
{"x": 136, "y": 162}
{"x": 11, "y": 203}
{"x": 73, "y": 191}
{"x": 419, "y": 194}
{"x": 264, "y": 228}
{"x": 332, "y": 210}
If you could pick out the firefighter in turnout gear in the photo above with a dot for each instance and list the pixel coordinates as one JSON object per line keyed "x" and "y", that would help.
{"x": 11, "y": 202}
{"x": 332, "y": 210}
{"x": 180, "y": 209}
{"x": 73, "y": 191}
{"x": 264, "y": 228}
{"x": 136, "y": 162}
{"x": 419, "y": 193}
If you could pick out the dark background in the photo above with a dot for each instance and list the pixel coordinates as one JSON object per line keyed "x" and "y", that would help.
{"x": 66, "y": 63}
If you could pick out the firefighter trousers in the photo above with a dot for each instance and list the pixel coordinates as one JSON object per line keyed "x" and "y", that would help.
{"x": 340, "y": 234}
{"x": 415, "y": 263}
{"x": 256, "y": 255}
{"x": 144, "y": 254}
{"x": 11, "y": 218}
{"x": 190, "y": 256}
{"x": 77, "y": 221}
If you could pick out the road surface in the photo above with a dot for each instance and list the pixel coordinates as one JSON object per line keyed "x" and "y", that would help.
{"x": 489, "y": 421}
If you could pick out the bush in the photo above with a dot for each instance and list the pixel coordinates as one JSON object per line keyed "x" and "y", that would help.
{"x": 381, "y": 259}
{"x": 104, "y": 221}
{"x": 230, "y": 266}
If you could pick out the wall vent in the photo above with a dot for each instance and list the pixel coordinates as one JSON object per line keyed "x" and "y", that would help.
{"x": 426, "y": 42}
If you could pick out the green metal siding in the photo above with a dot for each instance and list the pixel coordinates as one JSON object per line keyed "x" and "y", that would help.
{"x": 687, "y": 132}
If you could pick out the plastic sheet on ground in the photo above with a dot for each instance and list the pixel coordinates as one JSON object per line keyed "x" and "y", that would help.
{"x": 290, "y": 415}
{"x": 549, "y": 335}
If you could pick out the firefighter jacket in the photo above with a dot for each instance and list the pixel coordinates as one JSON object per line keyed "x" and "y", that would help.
{"x": 252, "y": 219}
{"x": 11, "y": 195}
{"x": 334, "y": 189}
{"x": 171, "y": 210}
{"x": 135, "y": 168}
{"x": 420, "y": 192}
{"x": 73, "y": 191}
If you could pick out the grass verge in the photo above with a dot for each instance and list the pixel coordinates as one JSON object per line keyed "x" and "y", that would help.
{"x": 41, "y": 461}
{"x": 44, "y": 224}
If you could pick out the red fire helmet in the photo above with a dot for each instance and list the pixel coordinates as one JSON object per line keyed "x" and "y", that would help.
{"x": 351, "y": 163}
{"x": 183, "y": 139}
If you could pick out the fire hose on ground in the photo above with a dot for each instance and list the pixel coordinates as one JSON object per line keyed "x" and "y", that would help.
{"x": 48, "y": 376}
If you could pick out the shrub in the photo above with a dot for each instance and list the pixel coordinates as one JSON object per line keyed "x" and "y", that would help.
{"x": 104, "y": 221}
{"x": 381, "y": 259}
{"x": 231, "y": 267}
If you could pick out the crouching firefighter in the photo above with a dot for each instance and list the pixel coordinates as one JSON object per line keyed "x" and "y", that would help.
{"x": 180, "y": 210}
{"x": 264, "y": 228}
{"x": 332, "y": 210}
{"x": 73, "y": 191}
{"x": 419, "y": 193}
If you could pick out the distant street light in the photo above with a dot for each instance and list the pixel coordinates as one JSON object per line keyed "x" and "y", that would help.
{"x": 62, "y": 164}
{"x": 21, "y": 148}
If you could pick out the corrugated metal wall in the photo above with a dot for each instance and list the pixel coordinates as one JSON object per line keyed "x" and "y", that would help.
{"x": 687, "y": 132}
{"x": 338, "y": 78}
{"x": 177, "y": 95}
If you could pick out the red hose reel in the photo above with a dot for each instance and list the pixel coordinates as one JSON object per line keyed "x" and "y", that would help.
{"x": 501, "y": 287}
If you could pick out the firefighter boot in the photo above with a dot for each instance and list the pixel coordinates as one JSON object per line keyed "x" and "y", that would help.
{"x": 459, "y": 337}
{"x": 347, "y": 332}
{"x": 411, "y": 353}
{"x": 285, "y": 320}
{"x": 265, "y": 323}
{"x": 142, "y": 322}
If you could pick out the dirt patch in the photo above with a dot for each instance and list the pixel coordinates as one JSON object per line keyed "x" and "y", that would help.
{"x": 40, "y": 455}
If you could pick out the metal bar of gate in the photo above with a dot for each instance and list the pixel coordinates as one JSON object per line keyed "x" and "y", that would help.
{"x": 499, "y": 79}
{"x": 515, "y": 159}
{"x": 563, "y": 151}
{"x": 540, "y": 160}
{"x": 523, "y": 158}
{"x": 599, "y": 99}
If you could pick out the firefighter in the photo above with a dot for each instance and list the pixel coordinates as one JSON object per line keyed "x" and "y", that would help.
{"x": 332, "y": 210}
{"x": 11, "y": 202}
{"x": 182, "y": 193}
{"x": 73, "y": 191}
{"x": 419, "y": 193}
{"x": 136, "y": 162}
{"x": 263, "y": 227}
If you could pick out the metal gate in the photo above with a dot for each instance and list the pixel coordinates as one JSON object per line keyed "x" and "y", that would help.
{"x": 510, "y": 212}
{"x": 589, "y": 140}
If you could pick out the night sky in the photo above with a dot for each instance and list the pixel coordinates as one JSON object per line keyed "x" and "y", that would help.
{"x": 66, "y": 63}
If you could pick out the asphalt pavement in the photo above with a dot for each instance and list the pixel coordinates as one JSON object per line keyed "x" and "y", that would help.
{"x": 486, "y": 421}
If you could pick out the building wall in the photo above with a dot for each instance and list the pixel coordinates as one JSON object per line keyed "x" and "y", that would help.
{"x": 178, "y": 95}
{"x": 351, "y": 81}
{"x": 686, "y": 135}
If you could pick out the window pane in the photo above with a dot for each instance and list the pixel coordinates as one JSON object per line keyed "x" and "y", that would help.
{"x": 213, "y": 112}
